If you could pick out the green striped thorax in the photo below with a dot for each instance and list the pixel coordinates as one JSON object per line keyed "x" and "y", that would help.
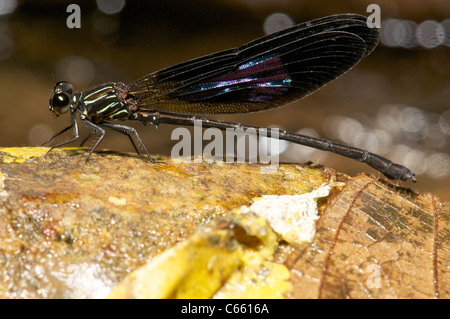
{"x": 109, "y": 101}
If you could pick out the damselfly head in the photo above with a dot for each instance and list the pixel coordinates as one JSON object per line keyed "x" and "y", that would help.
{"x": 60, "y": 99}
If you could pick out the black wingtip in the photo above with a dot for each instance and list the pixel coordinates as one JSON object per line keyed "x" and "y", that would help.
{"x": 361, "y": 26}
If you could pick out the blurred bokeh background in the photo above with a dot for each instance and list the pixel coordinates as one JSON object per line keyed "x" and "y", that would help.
{"x": 396, "y": 102}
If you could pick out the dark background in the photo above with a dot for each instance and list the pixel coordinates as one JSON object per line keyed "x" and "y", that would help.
{"x": 395, "y": 102}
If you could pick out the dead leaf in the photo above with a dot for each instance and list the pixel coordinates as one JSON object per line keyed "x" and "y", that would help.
{"x": 375, "y": 240}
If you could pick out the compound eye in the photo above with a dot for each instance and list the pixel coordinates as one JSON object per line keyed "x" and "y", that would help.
{"x": 63, "y": 87}
{"x": 60, "y": 103}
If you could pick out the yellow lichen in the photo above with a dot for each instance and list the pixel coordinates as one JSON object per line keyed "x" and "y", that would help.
{"x": 229, "y": 260}
{"x": 21, "y": 154}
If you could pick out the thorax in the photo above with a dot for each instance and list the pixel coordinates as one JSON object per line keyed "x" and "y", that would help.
{"x": 105, "y": 102}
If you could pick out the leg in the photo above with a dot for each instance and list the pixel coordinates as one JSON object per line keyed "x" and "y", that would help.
{"x": 55, "y": 136}
{"x": 124, "y": 130}
{"x": 128, "y": 131}
{"x": 85, "y": 140}
{"x": 120, "y": 131}
{"x": 75, "y": 133}
{"x": 97, "y": 128}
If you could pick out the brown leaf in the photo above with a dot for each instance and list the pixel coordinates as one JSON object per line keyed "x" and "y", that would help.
{"x": 375, "y": 240}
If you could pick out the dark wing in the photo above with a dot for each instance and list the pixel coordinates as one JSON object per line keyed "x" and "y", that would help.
{"x": 263, "y": 74}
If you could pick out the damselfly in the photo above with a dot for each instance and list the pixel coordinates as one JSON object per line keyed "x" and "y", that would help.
{"x": 263, "y": 74}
